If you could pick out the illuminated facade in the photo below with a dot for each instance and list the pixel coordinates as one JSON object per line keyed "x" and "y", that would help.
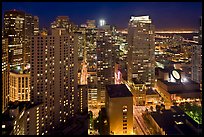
{"x": 196, "y": 71}
{"x": 152, "y": 97}
{"x": 174, "y": 87}
{"x": 29, "y": 32}
{"x": 14, "y": 30}
{"x": 54, "y": 77}
{"x": 19, "y": 87}
{"x": 29, "y": 120}
{"x": 64, "y": 22}
{"x": 5, "y": 75}
{"x": 119, "y": 106}
{"x": 92, "y": 90}
{"x": 82, "y": 98}
{"x": 105, "y": 62}
{"x": 141, "y": 58}
{"x": 138, "y": 89}
{"x": 118, "y": 75}
{"x": 18, "y": 28}
{"x": 36, "y": 25}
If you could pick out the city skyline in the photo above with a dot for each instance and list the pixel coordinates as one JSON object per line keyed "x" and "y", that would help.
{"x": 187, "y": 13}
{"x": 95, "y": 78}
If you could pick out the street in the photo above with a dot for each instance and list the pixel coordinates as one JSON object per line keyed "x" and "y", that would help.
{"x": 139, "y": 121}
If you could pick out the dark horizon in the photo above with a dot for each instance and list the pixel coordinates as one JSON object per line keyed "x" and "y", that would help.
{"x": 164, "y": 15}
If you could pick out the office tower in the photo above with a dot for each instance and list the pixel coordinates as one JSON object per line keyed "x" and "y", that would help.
{"x": 64, "y": 22}
{"x": 91, "y": 38}
{"x": 54, "y": 77}
{"x": 14, "y": 30}
{"x": 141, "y": 58}
{"x": 91, "y": 58}
{"x": 19, "y": 83}
{"x": 196, "y": 60}
{"x": 29, "y": 32}
{"x": 5, "y": 75}
{"x": 119, "y": 108}
{"x": 105, "y": 62}
{"x": 36, "y": 25}
{"x": 18, "y": 28}
{"x": 196, "y": 71}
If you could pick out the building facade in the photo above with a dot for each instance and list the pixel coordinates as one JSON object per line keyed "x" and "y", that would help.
{"x": 14, "y": 30}
{"x": 19, "y": 84}
{"x": 36, "y": 25}
{"x": 119, "y": 108}
{"x": 54, "y": 77}
{"x": 141, "y": 58}
{"x": 105, "y": 62}
{"x": 18, "y": 28}
{"x": 196, "y": 71}
{"x": 5, "y": 75}
{"x": 82, "y": 98}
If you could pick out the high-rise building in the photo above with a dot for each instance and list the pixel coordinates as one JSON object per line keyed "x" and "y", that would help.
{"x": 141, "y": 58}
{"x": 18, "y": 28}
{"x": 5, "y": 75}
{"x": 29, "y": 32}
{"x": 105, "y": 62}
{"x": 54, "y": 77}
{"x": 36, "y": 25}
{"x": 64, "y": 22}
{"x": 196, "y": 60}
{"x": 119, "y": 108}
{"x": 14, "y": 30}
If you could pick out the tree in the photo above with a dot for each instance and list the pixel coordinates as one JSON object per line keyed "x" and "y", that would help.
{"x": 90, "y": 114}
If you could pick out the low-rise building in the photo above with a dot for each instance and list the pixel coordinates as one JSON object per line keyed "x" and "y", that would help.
{"x": 174, "y": 87}
{"x": 119, "y": 105}
{"x": 19, "y": 82}
{"x": 174, "y": 122}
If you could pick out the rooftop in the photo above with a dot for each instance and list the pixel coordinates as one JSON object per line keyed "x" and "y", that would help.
{"x": 20, "y": 71}
{"x": 176, "y": 123}
{"x": 178, "y": 83}
{"x": 136, "y": 81}
{"x": 182, "y": 87}
{"x": 151, "y": 91}
{"x": 118, "y": 90}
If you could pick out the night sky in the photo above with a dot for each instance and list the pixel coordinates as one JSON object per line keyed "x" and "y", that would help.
{"x": 165, "y": 15}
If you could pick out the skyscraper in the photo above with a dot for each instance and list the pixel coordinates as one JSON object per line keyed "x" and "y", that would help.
{"x": 196, "y": 71}
{"x": 36, "y": 25}
{"x": 64, "y": 22}
{"x": 18, "y": 28}
{"x": 14, "y": 30}
{"x": 105, "y": 62}
{"x": 54, "y": 77}
{"x": 29, "y": 32}
{"x": 141, "y": 58}
{"x": 5, "y": 75}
